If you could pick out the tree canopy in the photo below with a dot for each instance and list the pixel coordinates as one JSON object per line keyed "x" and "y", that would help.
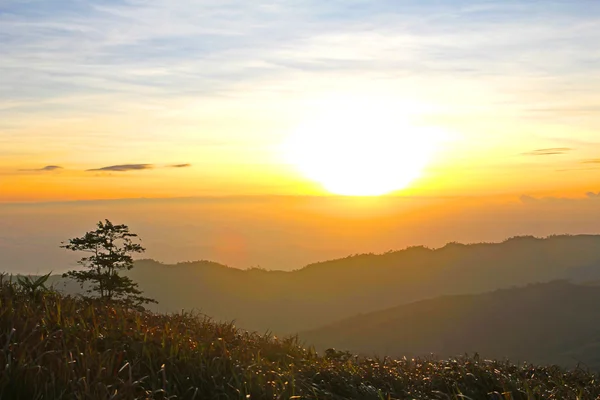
{"x": 110, "y": 248}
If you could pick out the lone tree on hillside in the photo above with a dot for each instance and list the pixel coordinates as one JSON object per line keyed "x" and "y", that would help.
{"x": 110, "y": 248}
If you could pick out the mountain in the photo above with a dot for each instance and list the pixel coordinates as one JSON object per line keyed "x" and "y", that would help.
{"x": 556, "y": 322}
{"x": 319, "y": 294}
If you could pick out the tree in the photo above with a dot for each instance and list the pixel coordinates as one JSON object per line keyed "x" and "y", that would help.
{"x": 111, "y": 248}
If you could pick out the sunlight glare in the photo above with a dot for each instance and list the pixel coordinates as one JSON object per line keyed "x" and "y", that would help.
{"x": 361, "y": 149}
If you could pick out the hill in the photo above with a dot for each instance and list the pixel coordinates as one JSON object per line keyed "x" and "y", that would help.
{"x": 555, "y": 322}
{"x": 56, "y": 347}
{"x": 319, "y": 294}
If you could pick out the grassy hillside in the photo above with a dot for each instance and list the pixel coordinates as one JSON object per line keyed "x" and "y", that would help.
{"x": 556, "y": 322}
{"x": 288, "y": 302}
{"x": 52, "y": 347}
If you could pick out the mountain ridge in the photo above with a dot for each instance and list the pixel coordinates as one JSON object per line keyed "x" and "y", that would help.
{"x": 304, "y": 299}
{"x": 556, "y": 322}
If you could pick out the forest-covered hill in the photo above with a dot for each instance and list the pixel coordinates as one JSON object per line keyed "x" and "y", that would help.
{"x": 556, "y": 322}
{"x": 320, "y": 294}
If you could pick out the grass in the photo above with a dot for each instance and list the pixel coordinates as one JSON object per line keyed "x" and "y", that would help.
{"x": 57, "y": 347}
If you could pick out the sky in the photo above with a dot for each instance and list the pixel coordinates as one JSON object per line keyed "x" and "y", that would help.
{"x": 283, "y": 232}
{"x": 161, "y": 99}
{"x": 222, "y": 129}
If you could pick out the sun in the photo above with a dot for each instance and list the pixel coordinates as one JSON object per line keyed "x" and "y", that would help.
{"x": 360, "y": 149}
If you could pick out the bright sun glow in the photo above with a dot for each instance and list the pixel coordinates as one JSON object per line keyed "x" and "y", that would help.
{"x": 361, "y": 149}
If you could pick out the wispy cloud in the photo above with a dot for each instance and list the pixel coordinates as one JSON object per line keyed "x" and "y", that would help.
{"x": 136, "y": 167}
{"x": 123, "y": 168}
{"x": 48, "y": 168}
{"x": 99, "y": 73}
{"x": 235, "y": 42}
{"x": 526, "y": 199}
{"x": 590, "y": 164}
{"x": 549, "y": 152}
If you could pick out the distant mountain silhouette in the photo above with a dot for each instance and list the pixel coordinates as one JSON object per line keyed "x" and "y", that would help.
{"x": 319, "y": 294}
{"x": 555, "y": 322}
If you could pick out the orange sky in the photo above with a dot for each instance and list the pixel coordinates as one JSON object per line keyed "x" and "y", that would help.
{"x": 284, "y": 232}
{"x": 177, "y": 100}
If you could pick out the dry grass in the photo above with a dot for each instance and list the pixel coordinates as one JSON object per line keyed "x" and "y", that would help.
{"x": 55, "y": 347}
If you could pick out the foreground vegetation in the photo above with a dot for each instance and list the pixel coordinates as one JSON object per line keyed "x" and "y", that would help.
{"x": 56, "y": 347}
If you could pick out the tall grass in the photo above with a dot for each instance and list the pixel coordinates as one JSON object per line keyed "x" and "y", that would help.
{"x": 57, "y": 347}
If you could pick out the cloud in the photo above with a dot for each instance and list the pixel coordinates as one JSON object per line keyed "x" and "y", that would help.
{"x": 135, "y": 167}
{"x": 549, "y": 152}
{"x": 577, "y": 169}
{"x": 124, "y": 168}
{"x": 262, "y": 56}
{"x": 234, "y": 41}
{"x": 47, "y": 168}
{"x": 591, "y": 164}
{"x": 526, "y": 199}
